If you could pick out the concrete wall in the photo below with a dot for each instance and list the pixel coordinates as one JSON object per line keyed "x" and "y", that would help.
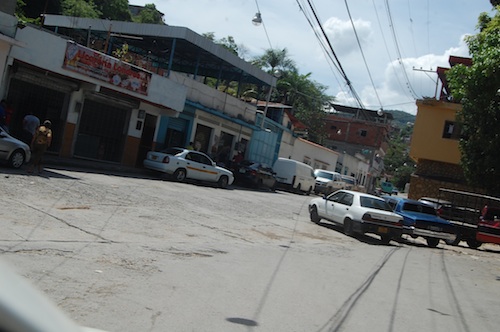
{"x": 209, "y": 97}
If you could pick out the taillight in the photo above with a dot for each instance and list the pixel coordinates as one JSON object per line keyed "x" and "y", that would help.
{"x": 439, "y": 211}
{"x": 253, "y": 172}
{"x": 166, "y": 160}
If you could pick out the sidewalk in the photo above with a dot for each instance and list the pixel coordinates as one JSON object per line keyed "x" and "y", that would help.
{"x": 53, "y": 161}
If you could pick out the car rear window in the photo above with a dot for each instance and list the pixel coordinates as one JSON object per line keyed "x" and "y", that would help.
{"x": 172, "y": 151}
{"x": 374, "y": 203}
{"x": 422, "y": 208}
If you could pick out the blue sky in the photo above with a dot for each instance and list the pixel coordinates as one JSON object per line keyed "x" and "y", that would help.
{"x": 425, "y": 34}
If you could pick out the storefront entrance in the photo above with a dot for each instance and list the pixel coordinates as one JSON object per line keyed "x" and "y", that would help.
{"x": 43, "y": 101}
{"x": 101, "y": 131}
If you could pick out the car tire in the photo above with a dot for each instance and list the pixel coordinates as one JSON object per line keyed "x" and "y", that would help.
{"x": 432, "y": 242}
{"x": 474, "y": 244}
{"x": 179, "y": 175}
{"x": 223, "y": 181}
{"x": 385, "y": 238}
{"x": 348, "y": 227}
{"x": 298, "y": 189}
{"x": 313, "y": 214}
{"x": 17, "y": 159}
{"x": 309, "y": 191}
{"x": 454, "y": 242}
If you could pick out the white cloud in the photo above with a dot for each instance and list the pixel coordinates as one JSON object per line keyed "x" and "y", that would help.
{"x": 342, "y": 35}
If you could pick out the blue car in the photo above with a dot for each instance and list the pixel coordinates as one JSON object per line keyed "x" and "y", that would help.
{"x": 420, "y": 219}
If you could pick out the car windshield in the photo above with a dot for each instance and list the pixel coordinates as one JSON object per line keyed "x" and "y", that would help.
{"x": 348, "y": 180}
{"x": 422, "y": 208}
{"x": 325, "y": 175}
{"x": 172, "y": 151}
{"x": 374, "y": 203}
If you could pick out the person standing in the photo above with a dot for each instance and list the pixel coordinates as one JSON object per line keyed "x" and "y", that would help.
{"x": 39, "y": 144}
{"x": 30, "y": 124}
{"x": 7, "y": 110}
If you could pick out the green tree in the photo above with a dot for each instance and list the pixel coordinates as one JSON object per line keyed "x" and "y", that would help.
{"x": 226, "y": 42}
{"x": 397, "y": 161}
{"x": 114, "y": 9}
{"x": 275, "y": 59}
{"x": 149, "y": 14}
{"x": 80, "y": 8}
{"x": 477, "y": 87}
{"x": 307, "y": 97}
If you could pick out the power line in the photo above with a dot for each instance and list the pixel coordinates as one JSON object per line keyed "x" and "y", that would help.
{"x": 264, "y": 26}
{"x": 396, "y": 44}
{"x": 362, "y": 53}
{"x": 387, "y": 51}
{"x": 336, "y": 61}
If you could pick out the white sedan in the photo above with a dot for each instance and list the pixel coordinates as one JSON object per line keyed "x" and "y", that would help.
{"x": 13, "y": 151}
{"x": 357, "y": 213}
{"x": 188, "y": 164}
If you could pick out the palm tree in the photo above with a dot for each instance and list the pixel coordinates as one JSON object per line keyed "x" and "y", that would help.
{"x": 275, "y": 59}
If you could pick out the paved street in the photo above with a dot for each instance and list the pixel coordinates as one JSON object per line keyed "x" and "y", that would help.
{"x": 131, "y": 252}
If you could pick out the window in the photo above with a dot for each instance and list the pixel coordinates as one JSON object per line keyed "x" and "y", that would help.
{"x": 451, "y": 130}
{"x": 363, "y": 133}
{"x": 333, "y": 127}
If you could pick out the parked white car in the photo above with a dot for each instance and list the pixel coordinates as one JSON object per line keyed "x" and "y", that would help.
{"x": 294, "y": 175}
{"x": 327, "y": 182}
{"x": 185, "y": 164}
{"x": 358, "y": 213}
{"x": 13, "y": 151}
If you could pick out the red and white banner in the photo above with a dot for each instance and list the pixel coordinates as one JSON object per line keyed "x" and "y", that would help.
{"x": 103, "y": 67}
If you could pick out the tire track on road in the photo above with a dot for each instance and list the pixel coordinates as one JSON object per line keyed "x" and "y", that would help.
{"x": 336, "y": 322}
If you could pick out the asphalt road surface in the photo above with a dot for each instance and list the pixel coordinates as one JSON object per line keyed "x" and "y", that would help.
{"x": 131, "y": 252}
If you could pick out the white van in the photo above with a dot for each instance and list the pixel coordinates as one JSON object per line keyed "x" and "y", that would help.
{"x": 293, "y": 174}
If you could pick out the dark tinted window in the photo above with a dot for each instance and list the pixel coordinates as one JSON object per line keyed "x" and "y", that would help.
{"x": 374, "y": 203}
{"x": 422, "y": 208}
{"x": 172, "y": 151}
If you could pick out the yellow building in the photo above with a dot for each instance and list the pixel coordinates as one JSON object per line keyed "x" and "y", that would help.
{"x": 435, "y": 144}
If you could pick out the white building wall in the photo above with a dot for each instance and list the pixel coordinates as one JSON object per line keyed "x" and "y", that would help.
{"x": 161, "y": 91}
{"x": 315, "y": 155}
{"x": 212, "y": 98}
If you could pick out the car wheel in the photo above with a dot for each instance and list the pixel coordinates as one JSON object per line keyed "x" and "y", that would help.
{"x": 180, "y": 175}
{"x": 474, "y": 244}
{"x": 223, "y": 181}
{"x": 454, "y": 242}
{"x": 329, "y": 190}
{"x": 298, "y": 188}
{"x": 17, "y": 159}
{"x": 385, "y": 238}
{"x": 309, "y": 191}
{"x": 432, "y": 242}
{"x": 348, "y": 227}
{"x": 313, "y": 214}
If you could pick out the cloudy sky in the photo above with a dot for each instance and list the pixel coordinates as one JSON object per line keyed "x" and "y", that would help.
{"x": 402, "y": 41}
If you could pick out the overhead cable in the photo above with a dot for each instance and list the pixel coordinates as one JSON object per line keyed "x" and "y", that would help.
{"x": 337, "y": 61}
{"x": 362, "y": 53}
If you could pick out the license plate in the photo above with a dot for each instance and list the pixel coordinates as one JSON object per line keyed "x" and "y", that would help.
{"x": 435, "y": 228}
{"x": 383, "y": 230}
{"x": 242, "y": 170}
{"x": 154, "y": 157}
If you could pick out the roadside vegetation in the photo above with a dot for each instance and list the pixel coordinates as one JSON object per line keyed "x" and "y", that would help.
{"x": 478, "y": 89}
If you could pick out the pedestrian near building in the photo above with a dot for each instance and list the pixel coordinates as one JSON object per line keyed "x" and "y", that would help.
{"x": 30, "y": 124}
{"x": 7, "y": 111}
{"x": 40, "y": 143}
